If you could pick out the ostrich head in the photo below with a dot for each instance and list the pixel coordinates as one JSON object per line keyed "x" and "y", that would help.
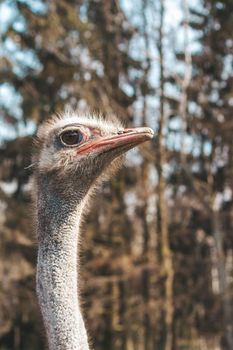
{"x": 76, "y": 150}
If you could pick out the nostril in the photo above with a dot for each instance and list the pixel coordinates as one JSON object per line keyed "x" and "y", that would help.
{"x": 124, "y": 131}
{"x": 127, "y": 131}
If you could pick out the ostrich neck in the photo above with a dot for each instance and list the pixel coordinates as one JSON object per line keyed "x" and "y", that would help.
{"x": 57, "y": 273}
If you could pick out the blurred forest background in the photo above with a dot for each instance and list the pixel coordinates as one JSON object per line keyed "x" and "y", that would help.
{"x": 158, "y": 245}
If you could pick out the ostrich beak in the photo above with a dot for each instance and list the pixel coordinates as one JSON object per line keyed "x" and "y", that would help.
{"x": 122, "y": 141}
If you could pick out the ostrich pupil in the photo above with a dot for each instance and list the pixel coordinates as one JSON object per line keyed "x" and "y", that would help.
{"x": 71, "y": 138}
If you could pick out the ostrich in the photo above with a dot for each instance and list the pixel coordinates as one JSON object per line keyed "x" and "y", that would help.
{"x": 73, "y": 154}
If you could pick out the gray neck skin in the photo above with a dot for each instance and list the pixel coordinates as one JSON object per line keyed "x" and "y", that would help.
{"x": 57, "y": 274}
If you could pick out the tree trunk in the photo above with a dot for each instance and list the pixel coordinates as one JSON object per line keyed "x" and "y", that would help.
{"x": 223, "y": 287}
{"x": 165, "y": 251}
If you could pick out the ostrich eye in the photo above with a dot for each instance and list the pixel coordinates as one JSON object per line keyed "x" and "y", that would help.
{"x": 71, "y": 137}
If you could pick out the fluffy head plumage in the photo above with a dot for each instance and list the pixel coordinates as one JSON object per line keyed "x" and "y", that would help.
{"x": 70, "y": 117}
{"x": 74, "y": 150}
{"x": 64, "y": 165}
